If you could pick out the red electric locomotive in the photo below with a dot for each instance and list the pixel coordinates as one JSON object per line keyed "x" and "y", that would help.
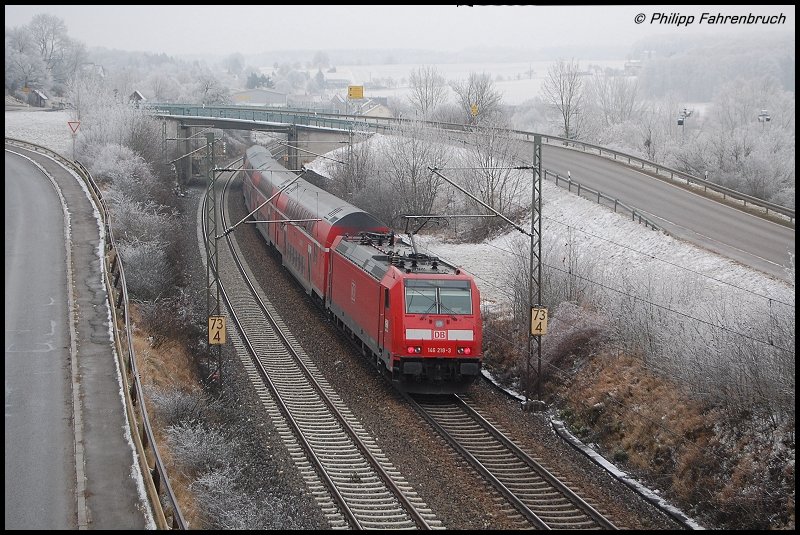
{"x": 416, "y": 316}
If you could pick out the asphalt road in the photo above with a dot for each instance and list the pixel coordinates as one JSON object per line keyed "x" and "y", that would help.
{"x": 745, "y": 238}
{"x": 38, "y": 423}
{"x": 69, "y": 461}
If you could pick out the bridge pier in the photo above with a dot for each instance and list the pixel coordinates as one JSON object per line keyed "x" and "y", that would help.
{"x": 291, "y": 150}
{"x": 185, "y": 164}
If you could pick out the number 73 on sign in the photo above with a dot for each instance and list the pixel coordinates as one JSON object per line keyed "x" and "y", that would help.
{"x": 216, "y": 330}
{"x": 538, "y": 321}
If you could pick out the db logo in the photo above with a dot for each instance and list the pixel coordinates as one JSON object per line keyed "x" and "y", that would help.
{"x": 440, "y": 335}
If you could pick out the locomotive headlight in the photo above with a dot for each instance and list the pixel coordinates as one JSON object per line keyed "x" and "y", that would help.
{"x": 464, "y": 350}
{"x": 414, "y": 349}
{"x": 410, "y": 349}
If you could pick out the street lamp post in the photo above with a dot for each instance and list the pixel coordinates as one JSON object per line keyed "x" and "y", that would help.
{"x": 763, "y": 118}
{"x": 682, "y": 116}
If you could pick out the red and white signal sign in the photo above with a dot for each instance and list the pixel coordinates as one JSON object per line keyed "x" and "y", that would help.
{"x": 73, "y": 125}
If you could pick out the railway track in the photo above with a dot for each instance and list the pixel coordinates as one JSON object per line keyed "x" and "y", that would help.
{"x": 541, "y": 500}
{"x": 352, "y": 481}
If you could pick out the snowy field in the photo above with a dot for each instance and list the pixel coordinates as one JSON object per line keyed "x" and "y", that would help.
{"x": 517, "y": 82}
{"x": 47, "y": 128}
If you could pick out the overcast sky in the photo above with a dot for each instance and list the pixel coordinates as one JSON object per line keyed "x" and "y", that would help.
{"x": 246, "y": 29}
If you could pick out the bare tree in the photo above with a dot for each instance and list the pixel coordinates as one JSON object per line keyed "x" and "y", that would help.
{"x": 489, "y": 176}
{"x": 409, "y": 153}
{"x": 479, "y": 91}
{"x": 49, "y": 33}
{"x": 163, "y": 87}
{"x": 88, "y": 94}
{"x": 25, "y": 69}
{"x": 563, "y": 89}
{"x": 428, "y": 90}
{"x": 616, "y": 98}
{"x": 353, "y": 176}
{"x": 209, "y": 90}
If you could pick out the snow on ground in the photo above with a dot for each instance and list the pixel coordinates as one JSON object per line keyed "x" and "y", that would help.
{"x": 47, "y": 128}
{"x": 608, "y": 245}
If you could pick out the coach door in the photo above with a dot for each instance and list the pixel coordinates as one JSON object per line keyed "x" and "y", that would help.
{"x": 385, "y": 318}
{"x": 308, "y": 269}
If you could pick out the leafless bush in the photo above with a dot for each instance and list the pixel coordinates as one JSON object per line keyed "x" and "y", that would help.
{"x": 116, "y": 123}
{"x": 565, "y": 275}
{"x": 198, "y": 448}
{"x": 175, "y": 406}
{"x": 572, "y": 332}
{"x": 147, "y": 269}
{"x": 174, "y": 317}
{"x": 228, "y": 507}
{"x": 733, "y": 350}
{"x": 140, "y": 221}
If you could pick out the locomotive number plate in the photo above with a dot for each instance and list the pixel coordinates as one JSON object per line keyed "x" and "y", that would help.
{"x": 441, "y": 350}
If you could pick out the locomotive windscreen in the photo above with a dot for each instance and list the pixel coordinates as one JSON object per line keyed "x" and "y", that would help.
{"x": 432, "y": 296}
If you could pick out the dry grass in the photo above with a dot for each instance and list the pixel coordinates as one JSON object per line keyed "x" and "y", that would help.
{"x": 161, "y": 368}
{"x": 652, "y": 427}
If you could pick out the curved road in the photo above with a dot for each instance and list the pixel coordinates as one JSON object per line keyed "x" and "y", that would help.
{"x": 68, "y": 462}
{"x": 748, "y": 239}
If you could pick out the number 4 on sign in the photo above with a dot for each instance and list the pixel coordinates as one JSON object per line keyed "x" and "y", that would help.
{"x": 216, "y": 330}
{"x": 538, "y": 321}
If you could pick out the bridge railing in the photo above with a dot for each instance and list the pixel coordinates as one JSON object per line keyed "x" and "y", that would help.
{"x": 303, "y": 117}
{"x": 155, "y": 479}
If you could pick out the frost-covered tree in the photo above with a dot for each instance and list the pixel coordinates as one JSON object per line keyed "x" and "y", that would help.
{"x": 615, "y": 97}
{"x": 88, "y": 93}
{"x": 41, "y": 55}
{"x": 408, "y": 154}
{"x": 563, "y": 89}
{"x": 162, "y": 87}
{"x": 478, "y": 90}
{"x": 207, "y": 89}
{"x": 428, "y": 90}
{"x": 61, "y": 55}
{"x": 488, "y": 161}
{"x": 25, "y": 69}
{"x": 358, "y": 166}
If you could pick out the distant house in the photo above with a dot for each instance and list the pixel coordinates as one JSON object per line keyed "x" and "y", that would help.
{"x": 37, "y": 98}
{"x": 259, "y": 97}
{"x": 364, "y": 106}
{"x": 376, "y": 109}
{"x": 135, "y": 98}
